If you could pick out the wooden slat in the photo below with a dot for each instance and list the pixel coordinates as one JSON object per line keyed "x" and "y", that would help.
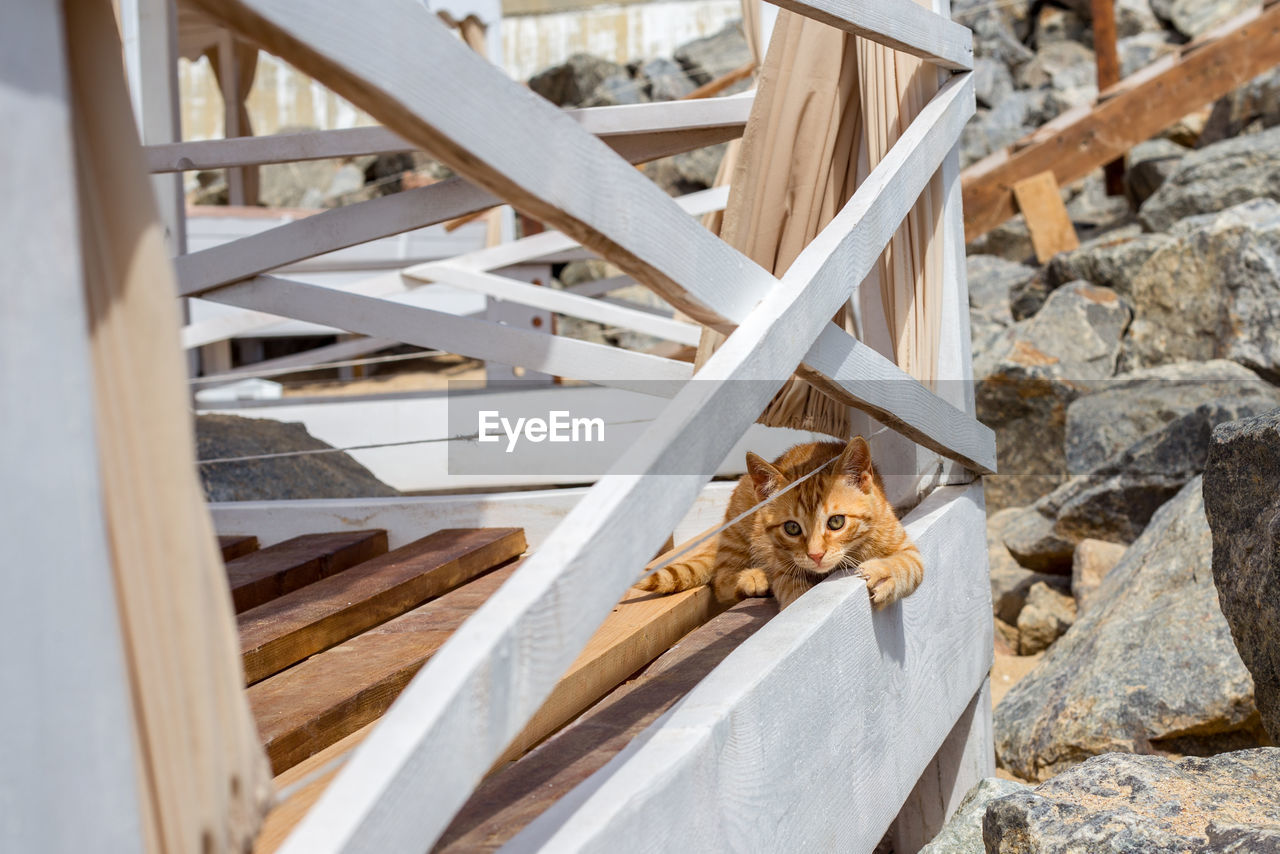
{"x": 466, "y": 336}
{"x": 1040, "y": 202}
{"x": 513, "y": 797}
{"x": 236, "y": 545}
{"x": 900, "y": 24}
{"x": 283, "y": 632}
{"x": 827, "y": 691}
{"x": 269, "y": 573}
{"x": 569, "y": 585}
{"x": 633, "y": 126}
{"x": 1208, "y": 69}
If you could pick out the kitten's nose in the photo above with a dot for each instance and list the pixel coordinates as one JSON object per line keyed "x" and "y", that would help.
{"x": 817, "y": 557}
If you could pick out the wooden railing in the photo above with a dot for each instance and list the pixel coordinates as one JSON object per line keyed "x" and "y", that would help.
{"x": 815, "y": 732}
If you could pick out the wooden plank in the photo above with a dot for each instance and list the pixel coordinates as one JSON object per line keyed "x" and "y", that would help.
{"x": 1040, "y": 202}
{"x": 70, "y": 747}
{"x": 569, "y": 585}
{"x": 236, "y": 545}
{"x": 479, "y": 339}
{"x": 1212, "y": 68}
{"x": 511, "y": 798}
{"x": 284, "y": 631}
{"x": 783, "y": 712}
{"x": 632, "y": 126}
{"x": 900, "y": 24}
{"x": 269, "y": 573}
{"x": 1108, "y": 61}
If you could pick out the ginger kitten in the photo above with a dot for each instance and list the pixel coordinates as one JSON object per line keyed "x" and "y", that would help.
{"x": 838, "y": 518}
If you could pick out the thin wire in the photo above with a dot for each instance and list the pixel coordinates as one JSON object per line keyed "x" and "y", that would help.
{"x": 235, "y": 376}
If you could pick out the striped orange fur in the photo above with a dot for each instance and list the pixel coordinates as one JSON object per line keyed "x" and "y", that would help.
{"x": 838, "y": 518}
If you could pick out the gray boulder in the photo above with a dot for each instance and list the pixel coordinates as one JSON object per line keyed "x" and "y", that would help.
{"x": 1253, "y": 107}
{"x": 1215, "y": 178}
{"x": 994, "y": 38}
{"x": 1045, "y": 618}
{"x": 1032, "y": 539}
{"x": 1009, "y": 240}
{"x": 1242, "y": 501}
{"x": 707, "y": 58}
{"x": 1193, "y": 17}
{"x": 1033, "y": 370}
{"x": 330, "y": 475}
{"x": 962, "y": 834}
{"x": 992, "y": 82}
{"x": 617, "y": 89}
{"x": 1109, "y": 262}
{"x": 1211, "y": 292}
{"x": 1150, "y": 667}
{"x": 1061, "y": 66}
{"x": 574, "y": 81}
{"x": 990, "y": 280}
{"x": 1090, "y": 563}
{"x": 665, "y": 80}
{"x": 1092, "y": 210}
{"x": 1138, "y": 51}
{"x": 1010, "y": 582}
{"x": 1150, "y": 164}
{"x": 1145, "y": 805}
{"x": 687, "y": 172}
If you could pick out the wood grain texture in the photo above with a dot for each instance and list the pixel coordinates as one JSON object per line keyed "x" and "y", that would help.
{"x": 269, "y": 573}
{"x": 900, "y": 24}
{"x": 1040, "y": 202}
{"x": 479, "y": 339}
{"x": 1134, "y": 110}
{"x": 514, "y": 796}
{"x": 331, "y": 695}
{"x": 536, "y": 626}
{"x": 724, "y": 767}
{"x": 236, "y": 545}
{"x": 284, "y": 631}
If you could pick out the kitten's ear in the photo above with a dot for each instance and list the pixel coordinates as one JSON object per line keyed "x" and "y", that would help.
{"x": 764, "y": 477}
{"x": 855, "y": 463}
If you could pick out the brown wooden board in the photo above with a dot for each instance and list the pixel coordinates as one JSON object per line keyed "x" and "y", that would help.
{"x": 510, "y": 799}
{"x": 1132, "y": 111}
{"x": 236, "y": 545}
{"x": 286, "y": 630}
{"x": 269, "y": 573}
{"x": 1050, "y": 225}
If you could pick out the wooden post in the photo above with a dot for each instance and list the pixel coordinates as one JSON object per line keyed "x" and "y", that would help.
{"x": 521, "y": 317}
{"x": 1104, "y": 47}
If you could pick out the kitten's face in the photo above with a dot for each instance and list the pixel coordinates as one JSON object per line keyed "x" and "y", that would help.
{"x": 820, "y": 528}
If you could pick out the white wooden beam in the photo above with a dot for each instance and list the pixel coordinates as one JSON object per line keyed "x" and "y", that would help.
{"x": 811, "y": 734}
{"x": 70, "y": 779}
{"x": 411, "y": 324}
{"x": 632, "y": 127}
{"x": 900, "y": 24}
{"x": 431, "y": 748}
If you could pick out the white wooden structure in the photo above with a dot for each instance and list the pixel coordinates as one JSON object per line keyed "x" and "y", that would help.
{"x": 832, "y": 723}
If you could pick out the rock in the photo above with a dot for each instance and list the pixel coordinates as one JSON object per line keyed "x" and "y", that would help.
{"x": 1045, "y": 618}
{"x": 1134, "y": 17}
{"x": 1145, "y": 805}
{"x": 1028, "y": 297}
{"x": 1090, "y": 563}
{"x": 1034, "y": 543}
{"x": 707, "y": 58}
{"x": 1138, "y": 51}
{"x": 618, "y": 89}
{"x": 1092, "y": 210}
{"x": 1010, "y": 582}
{"x": 1009, "y": 119}
{"x": 962, "y": 834}
{"x": 1009, "y": 240}
{"x": 1242, "y": 502}
{"x": 994, "y": 38}
{"x": 1006, "y": 638}
{"x": 1149, "y": 667}
{"x": 1211, "y": 292}
{"x": 1193, "y": 17}
{"x": 1215, "y": 178}
{"x": 1034, "y": 369}
{"x": 1108, "y": 263}
{"x": 1057, "y": 25}
{"x": 992, "y": 82}
{"x": 1060, "y": 66}
{"x": 1253, "y": 107}
{"x": 990, "y": 280}
{"x": 1187, "y": 130}
{"x": 687, "y": 172}
{"x": 665, "y": 80}
{"x": 1141, "y": 404}
{"x": 1150, "y": 163}
{"x": 334, "y": 475}
{"x": 572, "y": 82}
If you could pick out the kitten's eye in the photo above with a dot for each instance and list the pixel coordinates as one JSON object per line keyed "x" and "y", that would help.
{"x": 835, "y": 523}
{"x": 792, "y": 528}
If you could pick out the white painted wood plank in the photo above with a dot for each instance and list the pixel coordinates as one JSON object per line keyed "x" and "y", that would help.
{"x": 210, "y": 268}
{"x": 67, "y": 743}
{"x": 561, "y": 302}
{"x": 810, "y": 734}
{"x": 411, "y": 324}
{"x": 900, "y": 24}
{"x": 431, "y": 748}
{"x": 630, "y": 125}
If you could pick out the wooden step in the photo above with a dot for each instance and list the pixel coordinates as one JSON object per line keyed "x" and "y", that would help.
{"x": 236, "y": 545}
{"x": 261, "y": 576}
{"x": 507, "y": 801}
{"x": 288, "y": 629}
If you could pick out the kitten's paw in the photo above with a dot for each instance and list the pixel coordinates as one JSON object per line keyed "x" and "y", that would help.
{"x": 753, "y": 582}
{"x": 881, "y": 582}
